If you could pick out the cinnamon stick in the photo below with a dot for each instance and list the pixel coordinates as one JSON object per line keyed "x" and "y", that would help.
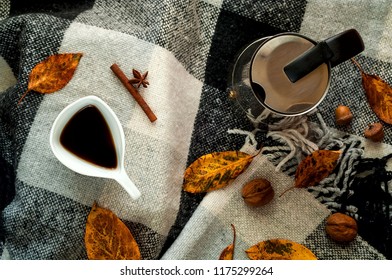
{"x": 133, "y": 91}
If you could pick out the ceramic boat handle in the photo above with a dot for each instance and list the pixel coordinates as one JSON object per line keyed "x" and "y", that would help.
{"x": 128, "y": 185}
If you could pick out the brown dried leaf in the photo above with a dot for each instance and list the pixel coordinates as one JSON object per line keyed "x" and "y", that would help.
{"x": 108, "y": 238}
{"x": 314, "y": 168}
{"x": 378, "y": 94}
{"x": 228, "y": 252}
{"x": 53, "y": 73}
{"x": 214, "y": 171}
{"x": 279, "y": 249}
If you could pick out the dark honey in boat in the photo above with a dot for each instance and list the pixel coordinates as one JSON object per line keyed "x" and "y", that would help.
{"x": 88, "y": 136}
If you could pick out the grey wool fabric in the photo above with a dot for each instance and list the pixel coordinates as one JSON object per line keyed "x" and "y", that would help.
{"x": 188, "y": 47}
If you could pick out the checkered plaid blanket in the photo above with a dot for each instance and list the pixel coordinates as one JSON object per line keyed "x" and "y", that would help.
{"x": 187, "y": 47}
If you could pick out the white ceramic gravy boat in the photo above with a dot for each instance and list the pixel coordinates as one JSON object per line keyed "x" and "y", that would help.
{"x": 85, "y": 167}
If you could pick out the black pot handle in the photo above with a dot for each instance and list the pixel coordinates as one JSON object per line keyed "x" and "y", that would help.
{"x": 334, "y": 50}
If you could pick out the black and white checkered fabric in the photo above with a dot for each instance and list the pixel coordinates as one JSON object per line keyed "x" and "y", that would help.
{"x": 187, "y": 46}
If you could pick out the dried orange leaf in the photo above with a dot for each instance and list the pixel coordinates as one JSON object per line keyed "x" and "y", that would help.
{"x": 279, "y": 249}
{"x": 378, "y": 94}
{"x": 53, "y": 73}
{"x": 228, "y": 252}
{"x": 314, "y": 168}
{"x": 108, "y": 238}
{"x": 214, "y": 171}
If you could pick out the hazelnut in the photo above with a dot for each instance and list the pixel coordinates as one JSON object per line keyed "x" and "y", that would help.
{"x": 343, "y": 115}
{"x": 257, "y": 192}
{"x": 374, "y": 132}
{"x": 341, "y": 227}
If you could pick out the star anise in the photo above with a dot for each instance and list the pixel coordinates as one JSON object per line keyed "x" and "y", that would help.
{"x": 139, "y": 79}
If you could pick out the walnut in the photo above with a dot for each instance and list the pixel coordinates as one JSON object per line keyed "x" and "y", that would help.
{"x": 341, "y": 227}
{"x": 257, "y": 192}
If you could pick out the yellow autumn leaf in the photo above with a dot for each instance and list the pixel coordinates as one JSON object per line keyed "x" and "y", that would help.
{"x": 108, "y": 238}
{"x": 279, "y": 249}
{"x": 214, "y": 171}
